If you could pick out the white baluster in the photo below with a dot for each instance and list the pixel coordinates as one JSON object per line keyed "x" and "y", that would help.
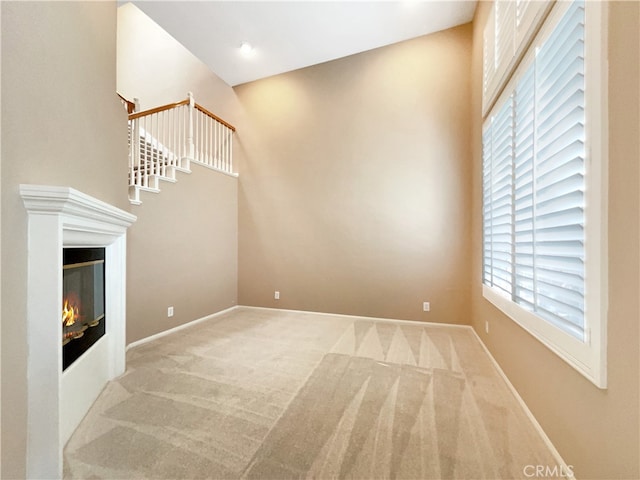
{"x": 196, "y": 137}
{"x": 143, "y": 152}
{"x": 157, "y": 139}
{"x": 168, "y": 146}
{"x": 223, "y": 145}
{"x": 217, "y": 145}
{"x": 154, "y": 140}
{"x": 149, "y": 137}
{"x": 205, "y": 119}
{"x": 190, "y": 144}
{"x": 184, "y": 127}
{"x": 166, "y": 137}
{"x": 201, "y": 137}
{"x": 153, "y": 126}
{"x": 181, "y": 135}
{"x": 214, "y": 143}
{"x": 176, "y": 138}
{"x": 212, "y": 157}
{"x": 135, "y": 145}
{"x": 160, "y": 139}
{"x": 230, "y": 151}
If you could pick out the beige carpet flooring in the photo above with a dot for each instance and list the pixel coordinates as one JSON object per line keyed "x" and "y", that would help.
{"x": 278, "y": 395}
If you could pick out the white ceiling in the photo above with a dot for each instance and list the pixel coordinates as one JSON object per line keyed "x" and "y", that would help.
{"x": 288, "y": 35}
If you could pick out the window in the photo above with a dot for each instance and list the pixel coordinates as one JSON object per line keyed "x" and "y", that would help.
{"x": 544, "y": 181}
{"x": 509, "y": 28}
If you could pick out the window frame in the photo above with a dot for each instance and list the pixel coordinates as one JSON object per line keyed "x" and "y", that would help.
{"x": 589, "y": 357}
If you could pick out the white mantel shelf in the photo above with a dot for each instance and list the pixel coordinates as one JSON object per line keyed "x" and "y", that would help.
{"x": 60, "y": 217}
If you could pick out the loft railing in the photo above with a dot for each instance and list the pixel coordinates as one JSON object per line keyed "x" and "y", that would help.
{"x": 213, "y": 140}
{"x": 169, "y": 138}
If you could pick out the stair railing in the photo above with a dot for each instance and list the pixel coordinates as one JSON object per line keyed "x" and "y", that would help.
{"x": 157, "y": 143}
{"x": 213, "y": 140}
{"x": 167, "y": 139}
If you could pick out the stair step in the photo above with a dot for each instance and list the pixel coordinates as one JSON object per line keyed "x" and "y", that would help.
{"x": 146, "y": 189}
{"x": 134, "y": 193}
{"x": 153, "y": 177}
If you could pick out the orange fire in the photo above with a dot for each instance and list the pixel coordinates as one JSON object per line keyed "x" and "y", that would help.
{"x": 69, "y": 314}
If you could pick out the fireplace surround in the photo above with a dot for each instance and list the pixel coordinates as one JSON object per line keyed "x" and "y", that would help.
{"x": 60, "y": 218}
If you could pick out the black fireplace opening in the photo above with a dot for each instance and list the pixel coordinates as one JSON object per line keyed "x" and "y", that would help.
{"x": 83, "y": 299}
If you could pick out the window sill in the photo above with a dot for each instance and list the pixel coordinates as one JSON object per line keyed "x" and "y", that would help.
{"x": 582, "y": 356}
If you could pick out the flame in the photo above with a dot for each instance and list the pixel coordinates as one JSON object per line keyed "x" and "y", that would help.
{"x": 69, "y": 314}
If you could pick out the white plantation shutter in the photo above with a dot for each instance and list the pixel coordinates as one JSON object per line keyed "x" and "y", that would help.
{"x": 488, "y": 60}
{"x": 502, "y": 197}
{"x": 510, "y": 27}
{"x": 487, "y": 206}
{"x": 498, "y": 198}
{"x": 529, "y": 14}
{"x": 534, "y": 182}
{"x": 524, "y": 106}
{"x": 560, "y": 169}
{"x": 505, "y": 25}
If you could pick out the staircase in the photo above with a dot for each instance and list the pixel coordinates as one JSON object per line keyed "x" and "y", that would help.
{"x": 169, "y": 139}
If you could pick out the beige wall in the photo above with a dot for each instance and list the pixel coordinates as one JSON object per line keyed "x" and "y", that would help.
{"x": 354, "y": 187}
{"x": 62, "y": 124}
{"x": 0, "y": 249}
{"x": 183, "y": 250}
{"x": 594, "y": 430}
{"x": 158, "y": 70}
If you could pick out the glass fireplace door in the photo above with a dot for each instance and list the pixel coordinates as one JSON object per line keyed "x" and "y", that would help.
{"x": 83, "y": 300}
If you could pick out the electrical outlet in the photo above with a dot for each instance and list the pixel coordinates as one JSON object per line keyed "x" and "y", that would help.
{"x": 276, "y": 295}
{"x": 170, "y": 312}
{"x": 426, "y": 307}
{"x": 486, "y": 326}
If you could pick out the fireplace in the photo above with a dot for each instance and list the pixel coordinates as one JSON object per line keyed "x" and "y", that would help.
{"x": 83, "y": 300}
{"x": 76, "y": 248}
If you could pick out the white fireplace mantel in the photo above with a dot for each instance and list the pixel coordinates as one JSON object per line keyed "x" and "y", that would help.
{"x": 60, "y": 217}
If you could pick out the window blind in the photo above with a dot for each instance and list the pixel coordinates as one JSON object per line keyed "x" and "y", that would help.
{"x": 534, "y": 182}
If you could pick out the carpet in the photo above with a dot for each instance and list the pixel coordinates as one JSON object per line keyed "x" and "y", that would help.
{"x": 264, "y": 394}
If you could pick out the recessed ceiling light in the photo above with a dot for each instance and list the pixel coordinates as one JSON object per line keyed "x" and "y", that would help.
{"x": 246, "y": 49}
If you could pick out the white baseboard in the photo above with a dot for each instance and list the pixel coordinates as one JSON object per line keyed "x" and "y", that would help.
{"x": 568, "y": 473}
{"x": 351, "y": 317}
{"x": 151, "y": 338}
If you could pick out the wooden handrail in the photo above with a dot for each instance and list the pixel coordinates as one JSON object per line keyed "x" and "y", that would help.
{"x": 215, "y": 117}
{"x": 131, "y": 106}
{"x": 169, "y": 106}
